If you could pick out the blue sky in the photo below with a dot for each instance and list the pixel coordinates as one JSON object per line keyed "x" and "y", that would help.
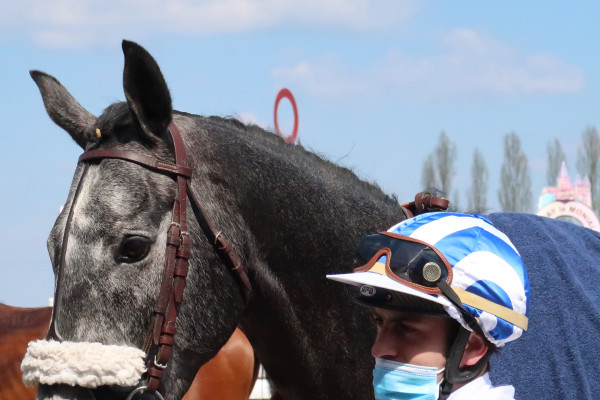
{"x": 375, "y": 83}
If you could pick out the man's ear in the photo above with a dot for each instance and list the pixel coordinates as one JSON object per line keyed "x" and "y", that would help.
{"x": 475, "y": 349}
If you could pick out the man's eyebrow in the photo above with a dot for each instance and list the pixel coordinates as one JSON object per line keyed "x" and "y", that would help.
{"x": 412, "y": 320}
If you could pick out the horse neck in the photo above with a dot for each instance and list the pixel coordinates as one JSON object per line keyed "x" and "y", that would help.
{"x": 295, "y": 218}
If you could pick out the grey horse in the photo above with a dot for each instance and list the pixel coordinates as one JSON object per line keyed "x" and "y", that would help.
{"x": 291, "y": 216}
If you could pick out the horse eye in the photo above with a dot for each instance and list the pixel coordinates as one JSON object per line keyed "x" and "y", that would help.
{"x": 133, "y": 248}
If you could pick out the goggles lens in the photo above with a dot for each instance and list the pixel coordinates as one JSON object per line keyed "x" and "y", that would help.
{"x": 410, "y": 260}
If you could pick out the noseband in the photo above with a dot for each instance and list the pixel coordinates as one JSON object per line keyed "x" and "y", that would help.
{"x": 161, "y": 339}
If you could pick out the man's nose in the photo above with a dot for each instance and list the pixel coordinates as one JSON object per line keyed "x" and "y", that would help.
{"x": 385, "y": 346}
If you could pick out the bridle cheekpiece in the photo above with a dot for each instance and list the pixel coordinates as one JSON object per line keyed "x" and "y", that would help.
{"x": 159, "y": 344}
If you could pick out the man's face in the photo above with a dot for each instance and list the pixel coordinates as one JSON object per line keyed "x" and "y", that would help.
{"x": 413, "y": 338}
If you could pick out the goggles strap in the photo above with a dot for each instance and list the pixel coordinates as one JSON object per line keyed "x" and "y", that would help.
{"x": 455, "y": 300}
{"x": 499, "y": 311}
{"x": 424, "y": 202}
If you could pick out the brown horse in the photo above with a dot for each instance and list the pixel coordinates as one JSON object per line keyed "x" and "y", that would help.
{"x": 231, "y": 374}
{"x": 18, "y": 326}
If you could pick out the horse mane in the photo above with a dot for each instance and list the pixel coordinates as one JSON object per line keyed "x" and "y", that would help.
{"x": 115, "y": 115}
{"x": 298, "y": 154}
{"x": 119, "y": 114}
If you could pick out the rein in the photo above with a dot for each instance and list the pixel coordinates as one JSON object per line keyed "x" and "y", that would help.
{"x": 161, "y": 339}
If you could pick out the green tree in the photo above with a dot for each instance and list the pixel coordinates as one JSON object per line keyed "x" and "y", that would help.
{"x": 438, "y": 168}
{"x": 445, "y": 156}
{"x": 455, "y": 201}
{"x": 556, "y": 156}
{"x": 588, "y": 160}
{"x": 428, "y": 174}
{"x": 514, "y": 193}
{"x": 477, "y": 195}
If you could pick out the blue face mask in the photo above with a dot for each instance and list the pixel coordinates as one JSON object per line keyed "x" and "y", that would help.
{"x": 399, "y": 381}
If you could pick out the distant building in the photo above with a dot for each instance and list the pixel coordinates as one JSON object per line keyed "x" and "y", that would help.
{"x": 569, "y": 202}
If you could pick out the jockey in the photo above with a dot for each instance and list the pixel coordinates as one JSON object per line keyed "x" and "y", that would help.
{"x": 447, "y": 290}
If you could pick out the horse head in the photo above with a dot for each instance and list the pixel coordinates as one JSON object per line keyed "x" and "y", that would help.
{"x": 108, "y": 244}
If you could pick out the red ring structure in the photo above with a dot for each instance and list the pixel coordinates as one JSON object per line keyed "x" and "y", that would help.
{"x": 287, "y": 94}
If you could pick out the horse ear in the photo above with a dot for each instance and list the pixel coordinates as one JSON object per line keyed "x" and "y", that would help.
{"x": 146, "y": 90}
{"x": 64, "y": 110}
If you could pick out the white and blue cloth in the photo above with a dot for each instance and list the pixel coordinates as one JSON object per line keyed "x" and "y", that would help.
{"x": 484, "y": 262}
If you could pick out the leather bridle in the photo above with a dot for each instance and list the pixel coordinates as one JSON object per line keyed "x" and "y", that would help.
{"x": 161, "y": 339}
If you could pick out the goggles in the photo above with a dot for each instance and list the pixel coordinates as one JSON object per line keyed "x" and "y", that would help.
{"x": 408, "y": 261}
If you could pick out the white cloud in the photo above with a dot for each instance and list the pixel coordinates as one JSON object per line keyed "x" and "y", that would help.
{"x": 470, "y": 42}
{"x": 469, "y": 64}
{"x": 328, "y": 78}
{"x": 68, "y": 23}
{"x": 59, "y": 38}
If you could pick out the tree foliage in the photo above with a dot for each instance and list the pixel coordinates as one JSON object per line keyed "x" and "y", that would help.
{"x": 588, "y": 160}
{"x": 556, "y": 156}
{"x": 445, "y": 156}
{"x": 438, "y": 168}
{"x": 477, "y": 195}
{"x": 428, "y": 174}
{"x": 514, "y": 193}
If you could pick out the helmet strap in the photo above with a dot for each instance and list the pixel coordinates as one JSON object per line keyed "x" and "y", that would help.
{"x": 455, "y": 300}
{"x": 445, "y": 389}
{"x": 453, "y": 374}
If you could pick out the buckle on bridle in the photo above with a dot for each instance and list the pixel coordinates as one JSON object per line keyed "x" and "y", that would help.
{"x": 182, "y": 234}
{"x": 159, "y": 365}
{"x": 220, "y": 233}
{"x": 142, "y": 389}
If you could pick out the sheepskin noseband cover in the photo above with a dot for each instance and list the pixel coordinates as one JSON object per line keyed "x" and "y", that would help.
{"x": 88, "y": 365}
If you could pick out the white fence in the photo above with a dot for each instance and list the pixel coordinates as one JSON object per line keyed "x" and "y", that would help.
{"x": 262, "y": 389}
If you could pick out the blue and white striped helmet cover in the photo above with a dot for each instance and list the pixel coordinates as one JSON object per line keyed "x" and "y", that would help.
{"x": 484, "y": 262}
